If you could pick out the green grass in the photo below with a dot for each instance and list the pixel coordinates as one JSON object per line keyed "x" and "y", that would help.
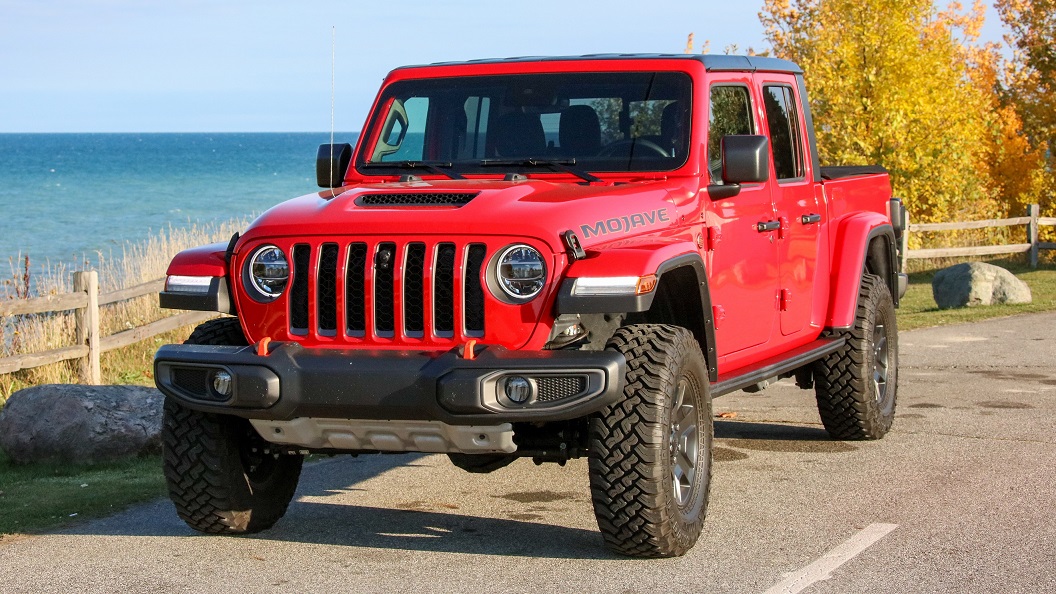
{"x": 918, "y": 308}
{"x": 39, "y": 497}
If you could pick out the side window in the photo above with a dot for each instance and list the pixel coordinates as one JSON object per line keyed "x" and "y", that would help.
{"x": 730, "y": 113}
{"x": 785, "y": 138}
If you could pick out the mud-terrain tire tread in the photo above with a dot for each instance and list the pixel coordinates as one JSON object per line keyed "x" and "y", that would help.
{"x": 481, "y": 463}
{"x": 630, "y": 484}
{"x": 218, "y": 331}
{"x": 843, "y": 380}
{"x": 203, "y": 464}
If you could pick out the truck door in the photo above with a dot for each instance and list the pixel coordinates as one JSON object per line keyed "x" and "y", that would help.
{"x": 742, "y": 260}
{"x": 792, "y": 188}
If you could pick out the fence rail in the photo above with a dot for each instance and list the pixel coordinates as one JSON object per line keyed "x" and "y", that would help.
{"x": 86, "y": 301}
{"x": 1033, "y": 222}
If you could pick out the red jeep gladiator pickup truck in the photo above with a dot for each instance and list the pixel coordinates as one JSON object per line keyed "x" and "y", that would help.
{"x": 549, "y": 258}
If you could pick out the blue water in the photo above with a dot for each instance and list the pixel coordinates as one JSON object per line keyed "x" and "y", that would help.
{"x": 64, "y": 198}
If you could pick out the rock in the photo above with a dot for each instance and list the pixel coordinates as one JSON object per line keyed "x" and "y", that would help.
{"x": 976, "y": 283}
{"x": 80, "y": 424}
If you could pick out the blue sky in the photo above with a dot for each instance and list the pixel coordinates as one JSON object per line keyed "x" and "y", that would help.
{"x": 264, "y": 65}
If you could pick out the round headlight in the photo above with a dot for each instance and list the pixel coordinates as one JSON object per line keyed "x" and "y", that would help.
{"x": 521, "y": 272}
{"x": 269, "y": 272}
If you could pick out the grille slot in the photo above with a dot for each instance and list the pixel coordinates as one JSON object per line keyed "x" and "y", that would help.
{"x": 417, "y": 199}
{"x": 444, "y": 290}
{"x": 384, "y": 290}
{"x": 474, "y": 292}
{"x": 413, "y": 290}
{"x": 355, "y": 309}
{"x": 559, "y": 387}
{"x": 326, "y": 289}
{"x": 299, "y": 291}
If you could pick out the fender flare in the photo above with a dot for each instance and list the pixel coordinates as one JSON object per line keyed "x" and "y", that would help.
{"x": 852, "y": 240}
{"x": 673, "y": 259}
{"x": 212, "y": 260}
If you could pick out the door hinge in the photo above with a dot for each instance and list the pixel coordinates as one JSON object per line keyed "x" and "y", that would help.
{"x": 714, "y": 237}
{"x": 718, "y": 313}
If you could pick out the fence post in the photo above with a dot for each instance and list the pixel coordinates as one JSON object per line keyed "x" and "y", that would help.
{"x": 88, "y": 325}
{"x": 1033, "y": 211}
{"x": 904, "y": 252}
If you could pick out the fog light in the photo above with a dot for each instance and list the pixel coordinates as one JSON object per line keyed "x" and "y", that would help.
{"x": 222, "y": 383}
{"x": 518, "y": 389}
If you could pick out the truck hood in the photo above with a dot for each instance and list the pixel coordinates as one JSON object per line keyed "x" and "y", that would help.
{"x": 598, "y": 213}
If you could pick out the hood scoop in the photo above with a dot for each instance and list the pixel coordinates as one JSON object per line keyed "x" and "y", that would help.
{"x": 416, "y": 199}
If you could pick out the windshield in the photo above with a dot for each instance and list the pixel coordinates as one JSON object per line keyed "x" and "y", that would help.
{"x": 598, "y": 122}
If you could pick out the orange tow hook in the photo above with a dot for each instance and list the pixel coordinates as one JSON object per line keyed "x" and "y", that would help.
{"x": 469, "y": 351}
{"x": 262, "y": 347}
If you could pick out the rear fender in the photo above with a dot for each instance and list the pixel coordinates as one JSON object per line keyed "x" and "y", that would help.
{"x": 851, "y": 251}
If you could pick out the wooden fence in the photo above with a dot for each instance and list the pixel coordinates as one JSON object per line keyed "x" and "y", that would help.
{"x": 86, "y": 301}
{"x": 1033, "y": 222}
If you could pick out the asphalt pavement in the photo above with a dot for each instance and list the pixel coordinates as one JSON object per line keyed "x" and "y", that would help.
{"x": 959, "y": 497}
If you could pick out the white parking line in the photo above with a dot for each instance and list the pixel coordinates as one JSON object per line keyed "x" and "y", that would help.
{"x": 819, "y": 570}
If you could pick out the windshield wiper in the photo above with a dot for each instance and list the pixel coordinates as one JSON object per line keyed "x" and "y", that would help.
{"x": 437, "y": 167}
{"x": 565, "y": 165}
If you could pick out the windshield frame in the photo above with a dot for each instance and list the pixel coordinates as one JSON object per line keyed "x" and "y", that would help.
{"x": 674, "y": 79}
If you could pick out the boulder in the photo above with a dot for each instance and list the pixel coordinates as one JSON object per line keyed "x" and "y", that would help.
{"x": 975, "y": 283}
{"x": 80, "y": 424}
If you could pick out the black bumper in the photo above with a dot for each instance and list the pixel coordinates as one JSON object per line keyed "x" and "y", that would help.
{"x": 292, "y": 381}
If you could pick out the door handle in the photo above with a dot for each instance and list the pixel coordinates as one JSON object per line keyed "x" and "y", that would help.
{"x": 811, "y": 218}
{"x": 768, "y": 226}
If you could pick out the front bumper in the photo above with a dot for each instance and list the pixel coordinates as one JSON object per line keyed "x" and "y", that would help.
{"x": 292, "y": 382}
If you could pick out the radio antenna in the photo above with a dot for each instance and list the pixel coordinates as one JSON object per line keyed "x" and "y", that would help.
{"x": 333, "y": 60}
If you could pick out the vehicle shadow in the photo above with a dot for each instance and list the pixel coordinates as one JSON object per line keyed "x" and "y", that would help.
{"x": 768, "y": 431}
{"x": 774, "y": 437}
{"x": 310, "y": 520}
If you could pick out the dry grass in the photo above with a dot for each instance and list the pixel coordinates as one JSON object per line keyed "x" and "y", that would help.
{"x": 138, "y": 263}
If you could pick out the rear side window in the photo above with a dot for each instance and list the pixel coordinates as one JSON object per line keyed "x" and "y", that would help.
{"x": 730, "y": 113}
{"x": 785, "y": 138}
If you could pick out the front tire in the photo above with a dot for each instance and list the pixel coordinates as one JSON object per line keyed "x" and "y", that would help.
{"x": 857, "y": 386}
{"x": 222, "y": 476}
{"x": 650, "y": 464}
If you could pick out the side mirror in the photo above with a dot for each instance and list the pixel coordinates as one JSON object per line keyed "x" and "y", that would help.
{"x": 745, "y": 160}
{"x": 331, "y": 163}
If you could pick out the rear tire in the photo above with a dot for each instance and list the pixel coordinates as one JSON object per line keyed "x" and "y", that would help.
{"x": 650, "y": 463}
{"x": 222, "y": 476}
{"x": 857, "y": 386}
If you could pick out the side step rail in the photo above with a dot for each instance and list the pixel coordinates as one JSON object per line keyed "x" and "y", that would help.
{"x": 775, "y": 366}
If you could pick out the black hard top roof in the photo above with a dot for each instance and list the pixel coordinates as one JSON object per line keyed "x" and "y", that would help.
{"x": 712, "y": 63}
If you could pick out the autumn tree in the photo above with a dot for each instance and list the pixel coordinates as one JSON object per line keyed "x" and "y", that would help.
{"x": 1015, "y": 165}
{"x": 890, "y": 84}
{"x": 1032, "y": 71}
{"x": 1028, "y": 86}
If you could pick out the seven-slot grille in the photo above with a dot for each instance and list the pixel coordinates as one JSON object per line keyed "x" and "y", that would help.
{"x": 386, "y": 289}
